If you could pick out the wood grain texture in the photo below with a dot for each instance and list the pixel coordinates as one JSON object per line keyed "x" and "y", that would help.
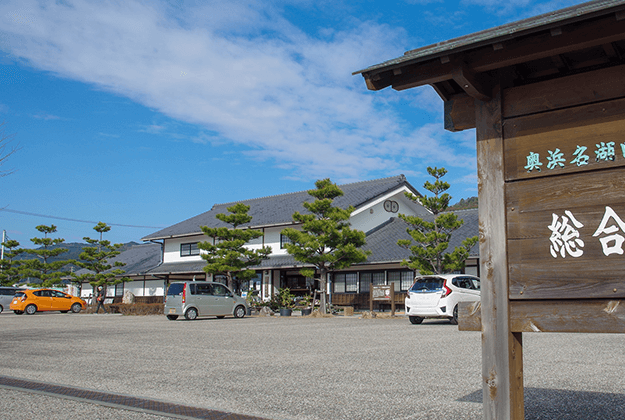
{"x": 497, "y": 357}
{"x": 460, "y": 113}
{"x": 579, "y": 89}
{"x": 587, "y": 126}
{"x": 605, "y": 316}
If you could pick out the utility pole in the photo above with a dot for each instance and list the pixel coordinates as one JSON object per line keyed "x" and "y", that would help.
{"x": 4, "y": 237}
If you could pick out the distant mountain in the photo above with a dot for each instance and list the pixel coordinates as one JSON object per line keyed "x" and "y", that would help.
{"x": 74, "y": 250}
{"x": 469, "y": 203}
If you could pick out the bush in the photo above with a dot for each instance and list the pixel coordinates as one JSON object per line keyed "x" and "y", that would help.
{"x": 136, "y": 308}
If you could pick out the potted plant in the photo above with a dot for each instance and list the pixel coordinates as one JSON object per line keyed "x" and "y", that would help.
{"x": 306, "y": 302}
{"x": 285, "y": 297}
{"x": 252, "y": 300}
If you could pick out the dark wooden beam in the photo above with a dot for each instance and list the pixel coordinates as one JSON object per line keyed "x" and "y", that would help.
{"x": 460, "y": 113}
{"x": 581, "y": 316}
{"x": 471, "y": 83}
{"x": 574, "y": 37}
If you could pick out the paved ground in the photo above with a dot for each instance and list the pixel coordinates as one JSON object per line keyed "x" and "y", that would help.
{"x": 297, "y": 368}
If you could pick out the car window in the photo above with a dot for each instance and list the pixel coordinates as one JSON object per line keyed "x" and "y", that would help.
{"x": 42, "y": 293}
{"x": 476, "y": 283}
{"x": 56, "y": 293}
{"x": 203, "y": 289}
{"x": 19, "y": 294}
{"x": 175, "y": 289}
{"x": 427, "y": 284}
{"x": 220, "y": 290}
{"x": 7, "y": 292}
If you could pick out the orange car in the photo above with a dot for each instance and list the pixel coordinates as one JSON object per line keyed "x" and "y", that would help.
{"x": 31, "y": 301}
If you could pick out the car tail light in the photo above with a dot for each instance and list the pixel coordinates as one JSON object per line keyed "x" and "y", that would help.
{"x": 446, "y": 290}
{"x": 184, "y": 293}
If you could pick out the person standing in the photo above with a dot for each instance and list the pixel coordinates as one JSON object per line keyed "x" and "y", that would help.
{"x": 100, "y": 298}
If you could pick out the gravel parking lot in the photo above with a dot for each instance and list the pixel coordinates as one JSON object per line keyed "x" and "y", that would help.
{"x": 300, "y": 368}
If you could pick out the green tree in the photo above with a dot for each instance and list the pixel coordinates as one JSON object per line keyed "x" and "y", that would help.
{"x": 326, "y": 240}
{"x": 227, "y": 254}
{"x": 431, "y": 239}
{"x": 95, "y": 258}
{"x": 9, "y": 267}
{"x": 41, "y": 267}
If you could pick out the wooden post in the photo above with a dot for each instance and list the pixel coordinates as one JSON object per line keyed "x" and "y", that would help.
{"x": 502, "y": 351}
{"x": 392, "y": 299}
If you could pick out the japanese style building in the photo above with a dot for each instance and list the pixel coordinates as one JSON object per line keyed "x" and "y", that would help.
{"x": 377, "y": 205}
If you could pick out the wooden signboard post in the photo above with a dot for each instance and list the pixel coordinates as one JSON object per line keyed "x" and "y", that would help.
{"x": 547, "y": 98}
{"x": 382, "y": 293}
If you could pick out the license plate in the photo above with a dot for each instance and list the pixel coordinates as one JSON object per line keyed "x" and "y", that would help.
{"x": 172, "y": 311}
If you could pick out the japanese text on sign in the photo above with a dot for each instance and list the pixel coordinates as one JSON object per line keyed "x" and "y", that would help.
{"x": 565, "y": 237}
{"x": 556, "y": 158}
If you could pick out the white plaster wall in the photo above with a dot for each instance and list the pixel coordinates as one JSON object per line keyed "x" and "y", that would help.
{"x": 172, "y": 248}
{"x": 374, "y": 214}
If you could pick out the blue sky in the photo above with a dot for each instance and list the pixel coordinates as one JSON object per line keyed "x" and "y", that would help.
{"x": 141, "y": 114}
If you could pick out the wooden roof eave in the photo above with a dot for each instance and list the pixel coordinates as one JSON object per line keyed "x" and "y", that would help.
{"x": 469, "y": 63}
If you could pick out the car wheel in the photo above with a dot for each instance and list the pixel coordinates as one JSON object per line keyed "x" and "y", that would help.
{"x": 415, "y": 319}
{"x": 18, "y": 312}
{"x": 239, "y": 312}
{"x": 1, "y": 309}
{"x": 31, "y": 309}
{"x": 191, "y": 314}
{"x": 454, "y": 319}
{"x": 172, "y": 317}
{"x": 76, "y": 307}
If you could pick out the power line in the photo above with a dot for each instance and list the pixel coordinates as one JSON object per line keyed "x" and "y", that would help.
{"x": 76, "y": 220}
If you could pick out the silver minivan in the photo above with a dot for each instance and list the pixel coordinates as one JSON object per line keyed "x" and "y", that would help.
{"x": 202, "y": 298}
{"x": 6, "y": 295}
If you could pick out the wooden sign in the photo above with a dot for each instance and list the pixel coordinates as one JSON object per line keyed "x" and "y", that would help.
{"x": 565, "y": 203}
{"x": 383, "y": 293}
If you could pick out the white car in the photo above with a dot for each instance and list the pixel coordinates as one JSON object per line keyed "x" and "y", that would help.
{"x": 438, "y": 295}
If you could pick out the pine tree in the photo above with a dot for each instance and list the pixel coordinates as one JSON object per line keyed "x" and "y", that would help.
{"x": 9, "y": 267}
{"x": 48, "y": 272}
{"x": 227, "y": 254}
{"x": 431, "y": 239}
{"x": 95, "y": 258}
{"x": 326, "y": 240}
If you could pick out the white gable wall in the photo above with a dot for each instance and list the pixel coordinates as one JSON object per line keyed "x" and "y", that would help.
{"x": 374, "y": 214}
{"x": 172, "y": 248}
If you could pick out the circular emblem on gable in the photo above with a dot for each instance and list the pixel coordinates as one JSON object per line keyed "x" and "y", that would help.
{"x": 391, "y": 206}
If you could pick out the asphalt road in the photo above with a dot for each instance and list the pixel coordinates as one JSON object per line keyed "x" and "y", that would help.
{"x": 297, "y": 368}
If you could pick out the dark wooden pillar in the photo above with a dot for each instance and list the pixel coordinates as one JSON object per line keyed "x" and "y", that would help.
{"x": 502, "y": 351}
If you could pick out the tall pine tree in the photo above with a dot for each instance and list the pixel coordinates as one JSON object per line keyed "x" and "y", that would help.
{"x": 227, "y": 253}
{"x": 326, "y": 240}
{"x": 95, "y": 258}
{"x": 431, "y": 239}
{"x": 9, "y": 266}
{"x": 45, "y": 267}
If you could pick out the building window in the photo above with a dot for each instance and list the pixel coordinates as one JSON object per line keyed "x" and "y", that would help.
{"x": 368, "y": 277}
{"x": 402, "y": 280}
{"x": 351, "y": 282}
{"x": 284, "y": 240}
{"x": 188, "y": 250}
{"x": 119, "y": 289}
{"x": 339, "y": 283}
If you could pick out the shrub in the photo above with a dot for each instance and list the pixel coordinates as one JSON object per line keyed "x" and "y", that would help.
{"x": 136, "y": 308}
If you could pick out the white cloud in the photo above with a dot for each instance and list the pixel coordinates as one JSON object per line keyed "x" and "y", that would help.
{"x": 241, "y": 72}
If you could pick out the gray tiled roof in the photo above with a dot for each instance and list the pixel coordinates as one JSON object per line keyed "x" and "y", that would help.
{"x": 139, "y": 259}
{"x": 180, "y": 267}
{"x": 279, "y": 209}
{"x": 382, "y": 242}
